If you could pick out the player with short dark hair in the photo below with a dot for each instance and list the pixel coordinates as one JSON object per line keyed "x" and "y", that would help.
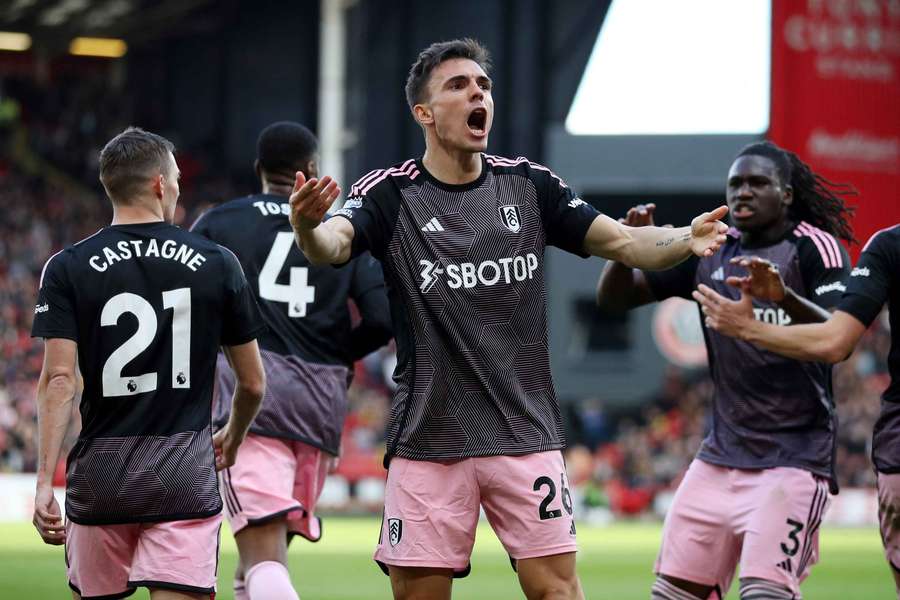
{"x": 474, "y": 419}
{"x": 872, "y": 284}
{"x": 758, "y": 488}
{"x": 144, "y": 306}
{"x": 308, "y": 353}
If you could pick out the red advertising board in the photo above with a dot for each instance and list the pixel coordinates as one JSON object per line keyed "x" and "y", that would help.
{"x": 836, "y": 98}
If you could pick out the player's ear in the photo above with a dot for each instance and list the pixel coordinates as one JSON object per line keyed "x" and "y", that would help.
{"x": 423, "y": 114}
{"x": 312, "y": 169}
{"x": 159, "y": 184}
{"x": 258, "y": 169}
{"x": 788, "y": 195}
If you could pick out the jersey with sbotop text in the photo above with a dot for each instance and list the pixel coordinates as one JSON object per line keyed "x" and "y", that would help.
{"x": 768, "y": 410}
{"x": 310, "y": 344}
{"x": 874, "y": 282}
{"x": 148, "y": 306}
{"x": 464, "y": 267}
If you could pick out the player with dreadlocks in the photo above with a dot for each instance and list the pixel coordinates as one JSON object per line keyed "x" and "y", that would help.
{"x": 756, "y": 492}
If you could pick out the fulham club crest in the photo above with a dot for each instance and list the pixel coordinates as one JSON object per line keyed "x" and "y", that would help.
{"x": 395, "y": 531}
{"x": 511, "y": 218}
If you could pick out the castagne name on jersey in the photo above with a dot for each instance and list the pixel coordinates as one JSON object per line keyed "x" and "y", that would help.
{"x": 128, "y": 249}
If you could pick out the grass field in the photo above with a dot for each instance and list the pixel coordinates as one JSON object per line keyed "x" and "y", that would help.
{"x": 614, "y": 563}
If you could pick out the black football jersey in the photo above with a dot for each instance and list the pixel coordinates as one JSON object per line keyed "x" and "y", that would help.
{"x": 464, "y": 268}
{"x": 149, "y": 305}
{"x": 310, "y": 343}
{"x": 768, "y": 410}
{"x": 874, "y": 282}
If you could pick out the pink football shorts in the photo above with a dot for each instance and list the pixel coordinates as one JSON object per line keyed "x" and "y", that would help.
{"x": 274, "y": 477}
{"x": 431, "y": 509}
{"x": 766, "y": 520}
{"x": 889, "y": 516}
{"x": 110, "y": 561}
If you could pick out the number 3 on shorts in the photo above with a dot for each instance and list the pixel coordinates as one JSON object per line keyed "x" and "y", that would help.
{"x": 793, "y": 543}
{"x": 543, "y": 512}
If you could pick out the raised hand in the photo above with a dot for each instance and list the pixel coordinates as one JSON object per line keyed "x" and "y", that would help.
{"x": 763, "y": 282}
{"x": 708, "y": 232}
{"x": 47, "y": 517}
{"x": 310, "y": 200}
{"x": 639, "y": 216}
{"x": 728, "y": 317}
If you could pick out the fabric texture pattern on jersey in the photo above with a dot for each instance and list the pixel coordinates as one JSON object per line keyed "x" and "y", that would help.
{"x": 274, "y": 478}
{"x": 310, "y": 342}
{"x": 767, "y": 521}
{"x": 464, "y": 267}
{"x": 148, "y": 305}
{"x": 431, "y": 509}
{"x": 111, "y": 561}
{"x": 889, "y": 516}
{"x": 873, "y": 283}
{"x": 768, "y": 410}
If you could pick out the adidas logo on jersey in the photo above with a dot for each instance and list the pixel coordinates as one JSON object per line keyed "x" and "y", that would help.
{"x": 433, "y": 225}
{"x": 489, "y": 272}
{"x": 786, "y": 565}
{"x": 718, "y": 274}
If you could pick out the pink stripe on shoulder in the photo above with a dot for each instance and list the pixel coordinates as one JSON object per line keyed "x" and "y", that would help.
{"x": 407, "y": 168}
{"x": 828, "y": 250}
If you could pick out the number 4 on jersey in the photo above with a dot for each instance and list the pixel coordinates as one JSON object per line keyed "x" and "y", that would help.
{"x": 297, "y": 294}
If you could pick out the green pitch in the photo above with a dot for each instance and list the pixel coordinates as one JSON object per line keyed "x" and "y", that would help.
{"x": 614, "y": 563}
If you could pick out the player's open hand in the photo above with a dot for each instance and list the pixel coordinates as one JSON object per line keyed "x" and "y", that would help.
{"x": 48, "y": 518}
{"x": 225, "y": 446}
{"x": 708, "y": 232}
{"x": 310, "y": 200}
{"x": 763, "y": 282}
{"x": 728, "y": 317}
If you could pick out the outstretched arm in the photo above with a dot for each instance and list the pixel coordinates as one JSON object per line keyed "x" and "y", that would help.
{"x": 831, "y": 341}
{"x": 622, "y": 288}
{"x": 656, "y": 248}
{"x": 322, "y": 243}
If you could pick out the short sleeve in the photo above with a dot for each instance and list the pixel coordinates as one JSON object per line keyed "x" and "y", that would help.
{"x": 370, "y": 214}
{"x": 566, "y": 217}
{"x": 870, "y": 281}
{"x": 677, "y": 281}
{"x": 825, "y": 268}
{"x": 54, "y": 311}
{"x": 241, "y": 321}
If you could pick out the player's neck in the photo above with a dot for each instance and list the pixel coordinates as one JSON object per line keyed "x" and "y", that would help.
{"x": 133, "y": 214}
{"x": 768, "y": 236}
{"x": 276, "y": 189}
{"x": 453, "y": 167}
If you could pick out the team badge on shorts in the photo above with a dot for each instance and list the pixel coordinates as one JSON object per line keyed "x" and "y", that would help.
{"x": 395, "y": 531}
{"x": 510, "y": 216}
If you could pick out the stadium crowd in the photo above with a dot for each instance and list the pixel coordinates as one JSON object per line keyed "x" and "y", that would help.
{"x": 617, "y": 460}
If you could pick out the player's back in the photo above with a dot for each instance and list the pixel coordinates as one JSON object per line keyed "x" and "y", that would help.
{"x": 304, "y": 305}
{"x": 148, "y": 305}
{"x": 306, "y": 350}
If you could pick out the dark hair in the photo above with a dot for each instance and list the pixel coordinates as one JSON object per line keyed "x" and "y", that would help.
{"x": 284, "y": 145}
{"x": 817, "y": 200}
{"x": 131, "y": 158}
{"x": 435, "y": 54}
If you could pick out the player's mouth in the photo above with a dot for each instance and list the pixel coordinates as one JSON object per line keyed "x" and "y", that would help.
{"x": 477, "y": 122}
{"x": 742, "y": 211}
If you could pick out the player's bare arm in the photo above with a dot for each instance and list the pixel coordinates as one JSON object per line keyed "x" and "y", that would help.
{"x": 250, "y": 386}
{"x": 831, "y": 341}
{"x": 56, "y": 390}
{"x": 322, "y": 243}
{"x": 620, "y": 287}
{"x": 764, "y": 282}
{"x": 656, "y": 248}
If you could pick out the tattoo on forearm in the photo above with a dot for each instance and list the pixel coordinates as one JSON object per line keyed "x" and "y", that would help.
{"x": 685, "y": 237}
{"x": 665, "y": 242}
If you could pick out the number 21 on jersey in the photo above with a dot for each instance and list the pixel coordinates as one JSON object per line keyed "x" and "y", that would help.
{"x": 298, "y": 293}
{"x": 180, "y": 302}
